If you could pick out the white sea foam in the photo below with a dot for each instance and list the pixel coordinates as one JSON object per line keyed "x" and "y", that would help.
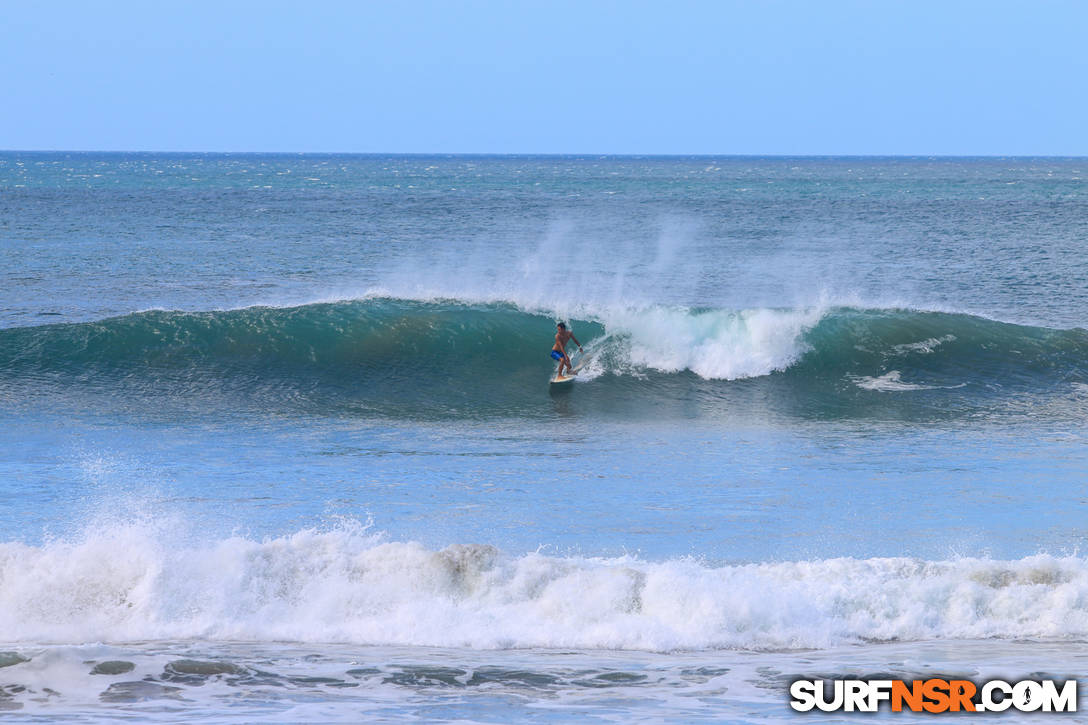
{"x": 349, "y": 585}
{"x": 714, "y": 344}
{"x": 889, "y": 382}
{"x": 924, "y": 347}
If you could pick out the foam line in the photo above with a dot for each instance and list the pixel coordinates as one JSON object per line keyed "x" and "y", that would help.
{"x": 135, "y": 582}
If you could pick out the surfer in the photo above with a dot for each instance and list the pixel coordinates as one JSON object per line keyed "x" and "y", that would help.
{"x": 559, "y": 349}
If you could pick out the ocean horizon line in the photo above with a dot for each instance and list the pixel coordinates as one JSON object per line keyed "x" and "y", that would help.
{"x": 545, "y": 154}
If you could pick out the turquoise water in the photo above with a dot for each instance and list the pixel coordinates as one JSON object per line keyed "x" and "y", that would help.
{"x": 289, "y": 416}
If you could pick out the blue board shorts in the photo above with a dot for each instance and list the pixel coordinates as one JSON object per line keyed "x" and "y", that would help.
{"x": 556, "y": 355}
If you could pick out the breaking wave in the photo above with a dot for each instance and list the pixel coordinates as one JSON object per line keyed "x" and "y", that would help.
{"x": 348, "y": 584}
{"x": 442, "y": 356}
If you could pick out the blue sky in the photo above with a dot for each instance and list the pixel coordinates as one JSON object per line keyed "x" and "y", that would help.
{"x": 758, "y": 77}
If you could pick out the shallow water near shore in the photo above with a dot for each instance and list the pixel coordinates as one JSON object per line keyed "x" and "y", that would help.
{"x": 269, "y": 682}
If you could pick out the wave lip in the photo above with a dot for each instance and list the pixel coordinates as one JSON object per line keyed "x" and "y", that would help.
{"x": 349, "y": 585}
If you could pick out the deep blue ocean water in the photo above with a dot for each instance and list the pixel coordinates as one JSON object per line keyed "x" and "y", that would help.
{"x": 277, "y": 430}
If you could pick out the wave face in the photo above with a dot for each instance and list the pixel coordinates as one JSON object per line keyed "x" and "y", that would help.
{"x": 135, "y": 582}
{"x": 436, "y": 358}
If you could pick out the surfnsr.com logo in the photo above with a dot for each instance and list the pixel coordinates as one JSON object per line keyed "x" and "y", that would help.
{"x": 933, "y": 695}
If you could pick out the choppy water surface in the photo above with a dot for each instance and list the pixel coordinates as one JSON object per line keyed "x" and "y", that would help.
{"x": 277, "y": 441}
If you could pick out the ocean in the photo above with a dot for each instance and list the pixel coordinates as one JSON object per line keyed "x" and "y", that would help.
{"x": 277, "y": 439}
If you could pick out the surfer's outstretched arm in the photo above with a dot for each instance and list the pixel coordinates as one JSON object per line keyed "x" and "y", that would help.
{"x": 576, "y": 342}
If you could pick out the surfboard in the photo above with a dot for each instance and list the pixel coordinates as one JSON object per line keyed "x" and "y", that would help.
{"x": 562, "y": 379}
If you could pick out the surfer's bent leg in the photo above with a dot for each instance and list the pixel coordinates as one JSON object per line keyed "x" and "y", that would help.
{"x": 561, "y": 357}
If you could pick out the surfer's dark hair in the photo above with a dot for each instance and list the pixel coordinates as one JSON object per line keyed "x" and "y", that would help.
{"x": 561, "y": 325}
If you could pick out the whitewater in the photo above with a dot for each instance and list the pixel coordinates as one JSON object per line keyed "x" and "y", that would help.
{"x": 349, "y": 585}
{"x": 278, "y": 443}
